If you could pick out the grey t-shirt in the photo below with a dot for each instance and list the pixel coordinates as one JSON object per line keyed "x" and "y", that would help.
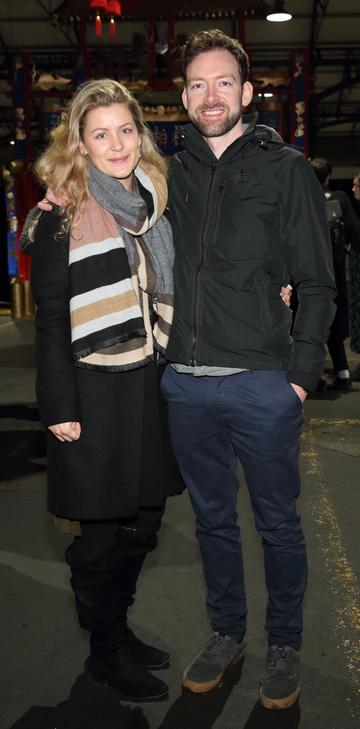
{"x": 205, "y": 370}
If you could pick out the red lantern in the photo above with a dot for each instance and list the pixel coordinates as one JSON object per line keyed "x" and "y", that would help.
{"x": 112, "y": 27}
{"x": 113, "y": 7}
{"x": 98, "y": 25}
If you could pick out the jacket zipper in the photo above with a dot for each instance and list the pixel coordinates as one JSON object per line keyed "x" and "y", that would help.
{"x": 199, "y": 268}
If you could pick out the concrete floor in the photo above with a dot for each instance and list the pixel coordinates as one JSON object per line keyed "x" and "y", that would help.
{"x": 42, "y": 683}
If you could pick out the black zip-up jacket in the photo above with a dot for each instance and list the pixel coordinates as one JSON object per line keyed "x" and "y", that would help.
{"x": 244, "y": 225}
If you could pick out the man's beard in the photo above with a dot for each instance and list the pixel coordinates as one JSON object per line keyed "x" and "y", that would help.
{"x": 216, "y": 128}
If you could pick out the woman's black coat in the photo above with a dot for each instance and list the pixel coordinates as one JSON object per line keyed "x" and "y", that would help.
{"x": 123, "y": 457}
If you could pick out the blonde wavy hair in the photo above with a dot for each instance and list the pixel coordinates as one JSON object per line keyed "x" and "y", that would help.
{"x": 63, "y": 168}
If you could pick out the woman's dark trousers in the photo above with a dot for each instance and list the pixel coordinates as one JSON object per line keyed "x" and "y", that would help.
{"x": 105, "y": 563}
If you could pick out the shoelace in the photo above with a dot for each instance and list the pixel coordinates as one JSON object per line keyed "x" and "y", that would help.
{"x": 276, "y": 654}
{"x": 215, "y": 638}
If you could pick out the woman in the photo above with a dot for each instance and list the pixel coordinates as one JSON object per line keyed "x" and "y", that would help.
{"x": 102, "y": 281}
{"x": 355, "y": 284}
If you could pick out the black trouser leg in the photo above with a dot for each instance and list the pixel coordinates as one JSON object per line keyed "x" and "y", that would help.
{"x": 136, "y": 538}
{"x": 105, "y": 563}
{"x": 337, "y": 353}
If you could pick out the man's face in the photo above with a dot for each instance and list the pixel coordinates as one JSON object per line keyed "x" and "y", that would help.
{"x": 214, "y": 95}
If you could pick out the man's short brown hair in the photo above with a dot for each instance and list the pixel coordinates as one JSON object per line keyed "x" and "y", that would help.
{"x": 210, "y": 40}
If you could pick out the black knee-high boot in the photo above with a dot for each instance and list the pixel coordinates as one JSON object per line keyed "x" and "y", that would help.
{"x": 105, "y": 564}
{"x": 136, "y": 543}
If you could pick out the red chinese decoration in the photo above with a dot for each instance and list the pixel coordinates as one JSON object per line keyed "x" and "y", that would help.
{"x": 113, "y": 7}
{"x": 98, "y": 25}
{"x": 112, "y": 27}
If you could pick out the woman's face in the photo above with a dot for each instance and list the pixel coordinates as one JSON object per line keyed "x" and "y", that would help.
{"x": 112, "y": 142}
{"x": 356, "y": 187}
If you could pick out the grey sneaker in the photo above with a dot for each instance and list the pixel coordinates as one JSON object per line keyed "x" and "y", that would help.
{"x": 280, "y": 686}
{"x": 207, "y": 669}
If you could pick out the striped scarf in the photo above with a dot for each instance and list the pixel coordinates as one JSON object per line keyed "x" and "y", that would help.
{"x": 120, "y": 268}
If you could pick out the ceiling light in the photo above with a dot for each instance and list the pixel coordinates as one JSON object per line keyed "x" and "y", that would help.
{"x": 278, "y": 14}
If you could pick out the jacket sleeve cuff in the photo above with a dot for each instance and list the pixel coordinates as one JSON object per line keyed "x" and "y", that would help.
{"x": 58, "y": 415}
{"x": 304, "y": 379}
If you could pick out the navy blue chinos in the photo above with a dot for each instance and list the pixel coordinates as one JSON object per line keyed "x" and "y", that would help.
{"x": 254, "y": 416}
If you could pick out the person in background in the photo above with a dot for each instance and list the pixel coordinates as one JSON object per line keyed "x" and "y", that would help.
{"x": 344, "y": 231}
{"x": 101, "y": 277}
{"x": 355, "y": 285}
{"x": 248, "y": 216}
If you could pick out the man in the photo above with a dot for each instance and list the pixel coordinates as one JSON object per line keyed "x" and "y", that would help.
{"x": 248, "y": 216}
{"x": 344, "y": 231}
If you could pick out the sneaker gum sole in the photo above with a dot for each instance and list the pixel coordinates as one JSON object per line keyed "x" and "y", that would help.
{"x": 203, "y": 688}
{"x": 279, "y": 704}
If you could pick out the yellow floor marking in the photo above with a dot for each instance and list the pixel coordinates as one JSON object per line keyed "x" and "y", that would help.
{"x": 334, "y": 421}
{"x": 342, "y": 580}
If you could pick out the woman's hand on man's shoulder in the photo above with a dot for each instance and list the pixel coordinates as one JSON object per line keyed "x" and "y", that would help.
{"x": 49, "y": 200}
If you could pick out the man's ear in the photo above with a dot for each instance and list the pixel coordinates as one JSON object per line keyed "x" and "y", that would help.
{"x": 247, "y": 93}
{"x": 184, "y": 98}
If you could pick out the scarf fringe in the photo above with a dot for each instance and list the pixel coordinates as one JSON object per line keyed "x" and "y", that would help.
{"x": 137, "y": 333}
{"x": 116, "y": 368}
